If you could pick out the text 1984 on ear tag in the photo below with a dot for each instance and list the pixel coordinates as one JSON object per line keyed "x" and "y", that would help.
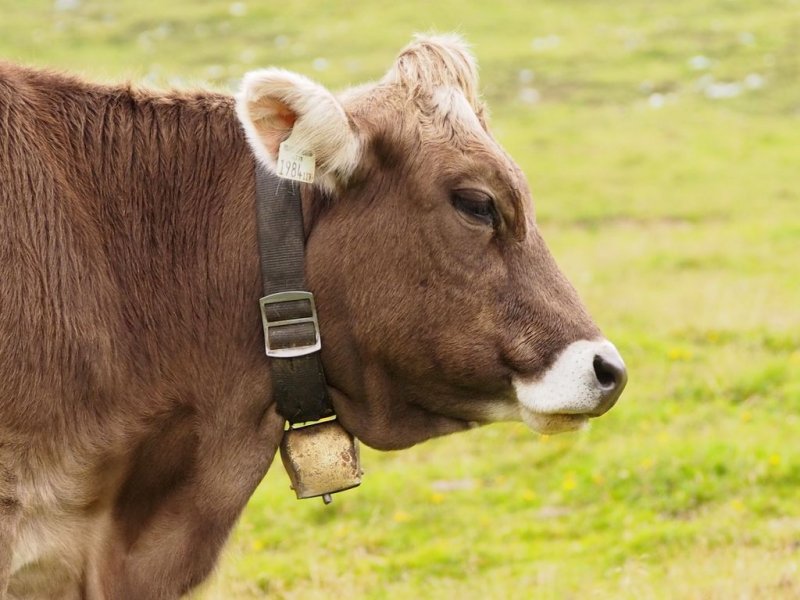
{"x": 295, "y": 164}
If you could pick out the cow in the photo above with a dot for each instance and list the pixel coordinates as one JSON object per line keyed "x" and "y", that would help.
{"x": 136, "y": 415}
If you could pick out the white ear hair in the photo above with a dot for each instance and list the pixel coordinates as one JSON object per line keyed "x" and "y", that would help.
{"x": 274, "y": 103}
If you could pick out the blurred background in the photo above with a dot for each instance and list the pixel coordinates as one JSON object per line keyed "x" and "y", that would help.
{"x": 662, "y": 142}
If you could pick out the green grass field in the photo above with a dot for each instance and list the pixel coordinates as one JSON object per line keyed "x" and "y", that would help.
{"x": 662, "y": 141}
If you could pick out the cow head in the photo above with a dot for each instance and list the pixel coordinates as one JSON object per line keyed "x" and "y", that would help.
{"x": 440, "y": 304}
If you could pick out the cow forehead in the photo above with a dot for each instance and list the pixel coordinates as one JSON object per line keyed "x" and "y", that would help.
{"x": 464, "y": 128}
{"x": 442, "y": 120}
{"x": 456, "y": 120}
{"x": 445, "y": 117}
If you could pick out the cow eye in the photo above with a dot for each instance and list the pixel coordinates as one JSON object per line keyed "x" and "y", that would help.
{"x": 476, "y": 205}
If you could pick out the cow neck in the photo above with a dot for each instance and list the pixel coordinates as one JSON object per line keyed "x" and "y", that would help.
{"x": 291, "y": 328}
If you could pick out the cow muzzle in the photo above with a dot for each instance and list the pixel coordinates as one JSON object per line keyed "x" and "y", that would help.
{"x": 585, "y": 381}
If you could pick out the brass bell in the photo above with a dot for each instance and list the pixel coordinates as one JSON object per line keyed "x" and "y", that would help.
{"x": 321, "y": 459}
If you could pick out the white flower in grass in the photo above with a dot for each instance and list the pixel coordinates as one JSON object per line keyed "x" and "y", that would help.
{"x": 656, "y": 100}
{"x": 162, "y": 31}
{"x": 703, "y": 82}
{"x": 530, "y": 95}
{"x": 754, "y": 81}
{"x": 547, "y": 42}
{"x": 525, "y": 76}
{"x": 699, "y": 62}
{"x": 247, "y": 56}
{"x": 721, "y": 90}
{"x": 215, "y": 71}
{"x": 65, "y": 5}
{"x": 747, "y": 39}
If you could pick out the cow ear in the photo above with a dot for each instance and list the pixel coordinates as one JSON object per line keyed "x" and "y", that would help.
{"x": 274, "y": 104}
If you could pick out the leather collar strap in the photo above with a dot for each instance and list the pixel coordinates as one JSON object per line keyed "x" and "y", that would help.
{"x": 291, "y": 330}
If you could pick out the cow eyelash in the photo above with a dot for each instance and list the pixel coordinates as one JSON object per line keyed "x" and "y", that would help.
{"x": 476, "y": 205}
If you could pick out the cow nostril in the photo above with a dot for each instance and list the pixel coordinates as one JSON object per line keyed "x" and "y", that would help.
{"x": 609, "y": 369}
{"x": 608, "y": 373}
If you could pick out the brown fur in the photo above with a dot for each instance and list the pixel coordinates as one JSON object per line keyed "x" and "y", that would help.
{"x": 134, "y": 394}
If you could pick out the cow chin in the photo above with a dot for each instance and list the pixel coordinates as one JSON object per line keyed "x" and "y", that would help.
{"x": 553, "y": 423}
{"x": 399, "y": 425}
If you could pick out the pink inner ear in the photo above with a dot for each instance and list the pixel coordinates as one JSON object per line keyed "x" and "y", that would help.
{"x": 275, "y": 123}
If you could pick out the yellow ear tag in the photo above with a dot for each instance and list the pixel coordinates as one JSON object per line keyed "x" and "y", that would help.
{"x": 295, "y": 164}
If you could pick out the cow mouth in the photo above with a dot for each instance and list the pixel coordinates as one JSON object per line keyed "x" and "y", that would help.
{"x": 551, "y": 423}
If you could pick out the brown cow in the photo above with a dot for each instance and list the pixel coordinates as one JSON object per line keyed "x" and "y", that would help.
{"x": 135, "y": 412}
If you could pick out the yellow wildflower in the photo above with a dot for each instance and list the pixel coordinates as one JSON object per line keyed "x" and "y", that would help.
{"x": 679, "y": 354}
{"x": 401, "y": 516}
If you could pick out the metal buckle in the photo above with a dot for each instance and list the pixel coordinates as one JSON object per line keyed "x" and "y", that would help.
{"x": 300, "y": 425}
{"x": 292, "y": 351}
